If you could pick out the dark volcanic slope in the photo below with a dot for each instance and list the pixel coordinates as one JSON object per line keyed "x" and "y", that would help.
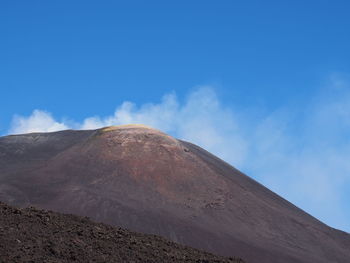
{"x": 144, "y": 180}
{"x": 30, "y": 235}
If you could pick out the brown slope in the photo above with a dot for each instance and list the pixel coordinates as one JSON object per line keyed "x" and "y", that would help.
{"x": 145, "y": 180}
{"x": 31, "y": 235}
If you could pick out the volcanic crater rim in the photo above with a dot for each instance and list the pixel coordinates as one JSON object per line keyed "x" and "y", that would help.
{"x": 138, "y": 129}
{"x": 127, "y": 126}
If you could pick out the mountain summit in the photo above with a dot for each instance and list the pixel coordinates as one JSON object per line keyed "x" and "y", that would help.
{"x": 139, "y": 178}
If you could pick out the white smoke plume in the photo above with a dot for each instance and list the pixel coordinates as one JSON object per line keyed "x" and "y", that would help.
{"x": 38, "y": 121}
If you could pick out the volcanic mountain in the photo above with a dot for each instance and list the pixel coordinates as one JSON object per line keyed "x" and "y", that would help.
{"x": 141, "y": 179}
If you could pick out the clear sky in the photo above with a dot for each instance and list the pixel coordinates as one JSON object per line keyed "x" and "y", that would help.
{"x": 262, "y": 84}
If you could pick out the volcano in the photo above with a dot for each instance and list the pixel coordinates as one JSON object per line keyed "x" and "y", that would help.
{"x": 144, "y": 180}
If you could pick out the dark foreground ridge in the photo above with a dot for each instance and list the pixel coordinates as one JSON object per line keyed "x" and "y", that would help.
{"x": 31, "y": 235}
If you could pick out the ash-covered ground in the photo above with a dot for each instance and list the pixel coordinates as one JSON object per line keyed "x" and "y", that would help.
{"x": 32, "y": 235}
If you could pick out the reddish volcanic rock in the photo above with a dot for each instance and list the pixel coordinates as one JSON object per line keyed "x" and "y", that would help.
{"x": 144, "y": 180}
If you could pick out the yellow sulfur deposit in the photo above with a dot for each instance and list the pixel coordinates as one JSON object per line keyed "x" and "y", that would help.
{"x": 125, "y": 126}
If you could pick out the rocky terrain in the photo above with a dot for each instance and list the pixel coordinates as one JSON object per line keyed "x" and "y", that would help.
{"x": 31, "y": 235}
{"x": 141, "y": 179}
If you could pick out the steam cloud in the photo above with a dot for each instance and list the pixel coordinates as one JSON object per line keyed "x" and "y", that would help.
{"x": 39, "y": 121}
{"x": 302, "y": 155}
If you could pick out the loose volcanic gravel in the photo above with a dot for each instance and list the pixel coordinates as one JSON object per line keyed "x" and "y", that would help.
{"x": 32, "y": 235}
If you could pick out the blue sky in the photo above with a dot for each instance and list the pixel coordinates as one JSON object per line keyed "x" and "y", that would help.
{"x": 265, "y": 82}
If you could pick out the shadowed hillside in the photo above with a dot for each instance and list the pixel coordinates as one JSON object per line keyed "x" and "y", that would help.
{"x": 30, "y": 235}
{"x": 139, "y": 178}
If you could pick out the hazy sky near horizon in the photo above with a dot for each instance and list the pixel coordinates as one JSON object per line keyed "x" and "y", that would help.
{"x": 263, "y": 84}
